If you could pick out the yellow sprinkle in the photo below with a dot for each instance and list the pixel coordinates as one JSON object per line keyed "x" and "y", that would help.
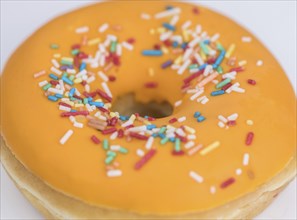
{"x": 77, "y": 80}
{"x": 230, "y": 51}
{"x": 242, "y": 62}
{"x": 112, "y": 114}
{"x": 132, "y": 117}
{"x": 151, "y": 72}
{"x": 249, "y": 122}
{"x": 165, "y": 50}
{"x": 69, "y": 102}
{"x": 210, "y": 148}
{"x": 107, "y": 105}
{"x": 57, "y": 55}
{"x": 98, "y": 100}
{"x": 202, "y": 54}
{"x": 93, "y": 41}
{"x": 189, "y": 129}
{"x": 66, "y": 94}
{"x": 68, "y": 59}
{"x": 161, "y": 30}
{"x": 185, "y": 35}
{"x": 78, "y": 105}
{"x": 152, "y": 31}
{"x": 178, "y": 60}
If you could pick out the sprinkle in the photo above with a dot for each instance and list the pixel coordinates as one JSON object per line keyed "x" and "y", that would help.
{"x": 213, "y": 190}
{"x": 178, "y": 103}
{"x": 222, "y": 118}
{"x": 227, "y": 183}
{"x": 138, "y": 136}
{"x": 66, "y": 136}
{"x": 184, "y": 66}
{"x": 181, "y": 119}
{"x": 208, "y": 79}
{"x": 232, "y": 117}
{"x": 246, "y": 158}
{"x": 221, "y": 124}
{"x": 166, "y": 64}
{"x": 151, "y": 85}
{"x": 103, "y": 27}
{"x": 41, "y": 73}
{"x": 242, "y": 63}
{"x": 95, "y": 139}
{"x": 55, "y": 70}
{"x": 174, "y": 20}
{"x": 249, "y": 122}
{"x": 195, "y": 176}
{"x": 249, "y": 138}
{"x": 54, "y": 46}
{"x": 52, "y": 98}
{"x": 189, "y": 145}
{"x": 106, "y": 89}
{"x": 186, "y": 25}
{"x": 189, "y": 129}
{"x": 246, "y": 39}
{"x": 127, "y": 46}
{"x": 230, "y": 50}
{"x": 218, "y": 92}
{"x": 94, "y": 41}
{"x": 208, "y": 69}
{"x": 259, "y": 63}
{"x": 81, "y": 30}
{"x": 223, "y": 83}
{"x": 64, "y": 108}
{"x": 149, "y": 143}
{"x": 251, "y": 81}
{"x": 167, "y": 13}
{"x": 201, "y": 118}
{"x": 140, "y": 153}
{"x": 78, "y": 125}
{"x": 43, "y": 83}
{"x": 194, "y": 150}
{"x": 219, "y": 59}
{"x": 145, "y": 159}
{"x": 238, "y": 172}
{"x": 105, "y": 144}
{"x": 210, "y": 148}
{"x": 114, "y": 173}
{"x": 145, "y": 16}
{"x": 152, "y": 53}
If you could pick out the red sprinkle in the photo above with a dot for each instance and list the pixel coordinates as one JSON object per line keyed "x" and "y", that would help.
{"x": 211, "y": 60}
{"x": 113, "y": 121}
{"x": 103, "y": 95}
{"x": 129, "y": 126}
{"x": 76, "y": 62}
{"x": 75, "y": 46}
{"x": 196, "y": 11}
{"x": 84, "y": 83}
{"x": 251, "y": 81}
{"x": 104, "y": 110}
{"x": 157, "y": 47}
{"x": 77, "y": 97}
{"x": 138, "y": 136}
{"x": 231, "y": 123}
{"x": 227, "y": 86}
{"x": 249, "y": 138}
{"x": 112, "y": 78}
{"x": 95, "y": 139}
{"x": 120, "y": 133}
{"x": 82, "y": 55}
{"x": 172, "y": 120}
{"x": 131, "y": 40}
{"x": 237, "y": 69}
{"x": 167, "y": 43}
{"x": 227, "y": 183}
{"x": 151, "y": 85}
{"x": 109, "y": 130}
{"x": 193, "y": 76}
{"x": 178, "y": 153}
{"x": 182, "y": 139}
{"x": 151, "y": 119}
{"x": 65, "y": 104}
{"x": 68, "y": 114}
{"x": 145, "y": 159}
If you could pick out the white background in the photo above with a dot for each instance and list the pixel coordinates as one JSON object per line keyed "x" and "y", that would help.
{"x": 273, "y": 22}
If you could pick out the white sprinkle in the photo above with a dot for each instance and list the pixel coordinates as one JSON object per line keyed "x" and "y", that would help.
{"x": 184, "y": 67}
{"x": 186, "y": 25}
{"x": 246, "y": 158}
{"x": 198, "y": 29}
{"x": 259, "y": 63}
{"x": 103, "y": 27}
{"x": 114, "y": 173}
{"x": 199, "y": 59}
{"x": 127, "y": 123}
{"x": 64, "y": 108}
{"x": 72, "y": 118}
{"x": 66, "y": 136}
{"x": 119, "y": 50}
{"x": 138, "y": 128}
{"x": 91, "y": 79}
{"x": 246, "y": 39}
{"x": 238, "y": 171}
{"x": 189, "y": 144}
{"x": 106, "y": 89}
{"x": 177, "y": 38}
{"x": 191, "y": 137}
{"x": 167, "y": 13}
{"x": 191, "y": 91}
{"x": 196, "y": 176}
{"x": 55, "y": 63}
{"x": 230, "y": 89}
{"x": 42, "y": 72}
{"x": 78, "y": 124}
{"x": 187, "y": 54}
{"x": 165, "y": 36}
{"x": 81, "y": 30}
{"x": 222, "y": 118}
{"x": 42, "y": 83}
{"x": 127, "y": 45}
{"x": 197, "y": 94}
{"x": 215, "y": 37}
{"x": 87, "y": 88}
{"x": 238, "y": 89}
{"x": 61, "y": 83}
{"x": 140, "y": 153}
{"x": 178, "y": 103}
{"x": 213, "y": 189}
{"x": 114, "y": 135}
{"x": 204, "y": 100}
{"x": 81, "y": 73}
{"x": 208, "y": 69}
{"x": 112, "y": 37}
{"x": 221, "y": 124}
{"x": 149, "y": 143}
{"x": 230, "y": 75}
{"x": 53, "y": 90}
{"x": 175, "y": 66}
{"x": 194, "y": 42}
{"x": 145, "y": 16}
{"x": 71, "y": 71}
{"x": 180, "y": 132}
{"x": 103, "y": 76}
{"x": 181, "y": 119}
{"x": 174, "y": 20}
{"x": 55, "y": 70}
{"x": 232, "y": 117}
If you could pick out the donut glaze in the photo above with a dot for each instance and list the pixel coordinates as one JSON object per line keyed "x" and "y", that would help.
{"x": 32, "y": 127}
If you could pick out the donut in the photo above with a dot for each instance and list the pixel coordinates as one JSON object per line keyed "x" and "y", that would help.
{"x": 148, "y": 110}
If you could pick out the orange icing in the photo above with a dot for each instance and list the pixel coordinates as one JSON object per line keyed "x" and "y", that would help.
{"x": 32, "y": 127}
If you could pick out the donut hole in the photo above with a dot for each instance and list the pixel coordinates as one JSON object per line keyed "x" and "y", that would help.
{"x": 128, "y": 105}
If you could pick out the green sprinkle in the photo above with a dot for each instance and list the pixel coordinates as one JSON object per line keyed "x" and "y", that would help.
{"x": 221, "y": 84}
{"x": 54, "y": 46}
{"x": 86, "y": 100}
{"x": 113, "y": 46}
{"x": 123, "y": 150}
{"x": 74, "y": 52}
{"x": 105, "y": 144}
{"x": 193, "y": 66}
{"x": 72, "y": 99}
{"x": 162, "y": 130}
{"x": 47, "y": 86}
{"x": 111, "y": 154}
{"x": 109, "y": 159}
{"x": 79, "y": 101}
{"x": 66, "y": 62}
{"x": 204, "y": 48}
{"x": 65, "y": 74}
{"x": 71, "y": 77}
{"x": 177, "y": 145}
{"x": 220, "y": 70}
{"x": 164, "y": 140}
{"x": 220, "y": 47}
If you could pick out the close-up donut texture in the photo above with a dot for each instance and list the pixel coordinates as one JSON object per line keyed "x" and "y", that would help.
{"x": 147, "y": 110}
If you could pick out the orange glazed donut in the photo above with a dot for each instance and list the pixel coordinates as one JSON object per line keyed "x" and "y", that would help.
{"x": 144, "y": 110}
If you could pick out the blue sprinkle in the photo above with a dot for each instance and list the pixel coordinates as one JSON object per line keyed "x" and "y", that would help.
{"x": 206, "y": 41}
{"x": 146, "y": 117}
{"x": 72, "y": 91}
{"x": 218, "y": 92}
{"x": 184, "y": 45}
{"x": 172, "y": 139}
{"x": 52, "y": 98}
{"x": 202, "y": 66}
{"x": 53, "y": 76}
{"x": 175, "y": 44}
{"x": 124, "y": 118}
{"x": 166, "y": 64}
{"x": 82, "y": 66}
{"x": 90, "y": 99}
{"x": 200, "y": 118}
{"x": 168, "y": 26}
{"x": 155, "y": 135}
{"x": 73, "y": 110}
{"x": 152, "y": 53}
{"x": 219, "y": 59}
{"x": 59, "y": 96}
{"x": 197, "y": 114}
{"x": 169, "y": 7}
{"x": 97, "y": 104}
{"x": 66, "y": 80}
{"x": 162, "y": 136}
{"x": 151, "y": 126}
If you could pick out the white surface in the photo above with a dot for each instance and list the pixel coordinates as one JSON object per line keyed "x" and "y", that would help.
{"x": 273, "y": 22}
